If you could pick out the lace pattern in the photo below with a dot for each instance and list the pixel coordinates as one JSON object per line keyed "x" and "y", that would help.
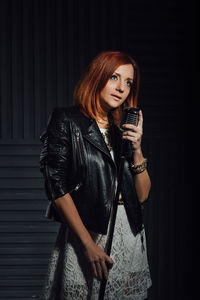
{"x": 70, "y": 276}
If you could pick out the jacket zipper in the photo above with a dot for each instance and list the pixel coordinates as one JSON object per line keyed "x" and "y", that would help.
{"x": 76, "y": 188}
{"x": 79, "y": 148}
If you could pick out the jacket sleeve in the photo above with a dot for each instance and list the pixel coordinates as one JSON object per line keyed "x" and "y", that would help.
{"x": 54, "y": 157}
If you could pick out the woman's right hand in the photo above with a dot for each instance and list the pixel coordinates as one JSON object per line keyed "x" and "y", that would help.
{"x": 99, "y": 260}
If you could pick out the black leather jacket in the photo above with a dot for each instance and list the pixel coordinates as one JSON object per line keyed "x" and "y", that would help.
{"x": 75, "y": 159}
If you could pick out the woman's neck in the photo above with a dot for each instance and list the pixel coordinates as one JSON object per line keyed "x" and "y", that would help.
{"x": 102, "y": 124}
{"x": 102, "y": 121}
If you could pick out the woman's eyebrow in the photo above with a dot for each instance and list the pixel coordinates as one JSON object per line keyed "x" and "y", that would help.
{"x": 120, "y": 76}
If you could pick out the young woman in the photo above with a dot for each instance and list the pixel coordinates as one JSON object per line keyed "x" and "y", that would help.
{"x": 80, "y": 163}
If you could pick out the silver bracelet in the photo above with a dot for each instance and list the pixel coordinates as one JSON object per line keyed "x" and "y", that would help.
{"x": 137, "y": 169}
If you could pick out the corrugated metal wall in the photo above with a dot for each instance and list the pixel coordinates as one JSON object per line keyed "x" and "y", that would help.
{"x": 45, "y": 46}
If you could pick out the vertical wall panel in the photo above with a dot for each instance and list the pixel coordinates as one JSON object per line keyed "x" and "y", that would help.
{"x": 39, "y": 25}
{"x": 16, "y": 68}
{"x": 6, "y": 79}
{"x": 60, "y": 15}
{"x": 28, "y": 89}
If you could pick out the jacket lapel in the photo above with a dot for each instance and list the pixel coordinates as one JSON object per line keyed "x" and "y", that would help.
{"x": 90, "y": 130}
{"x": 93, "y": 135}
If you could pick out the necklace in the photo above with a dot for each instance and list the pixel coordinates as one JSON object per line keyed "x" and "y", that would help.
{"x": 106, "y": 136}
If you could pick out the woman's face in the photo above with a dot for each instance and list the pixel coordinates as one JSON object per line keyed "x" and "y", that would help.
{"x": 117, "y": 88}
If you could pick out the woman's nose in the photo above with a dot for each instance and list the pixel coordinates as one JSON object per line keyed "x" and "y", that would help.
{"x": 120, "y": 87}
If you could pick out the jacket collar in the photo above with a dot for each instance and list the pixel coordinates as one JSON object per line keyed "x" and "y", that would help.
{"x": 90, "y": 130}
{"x": 94, "y": 136}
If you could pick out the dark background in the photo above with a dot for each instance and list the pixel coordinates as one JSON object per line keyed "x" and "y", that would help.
{"x": 45, "y": 46}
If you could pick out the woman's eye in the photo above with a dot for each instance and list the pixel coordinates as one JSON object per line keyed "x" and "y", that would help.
{"x": 129, "y": 83}
{"x": 114, "y": 77}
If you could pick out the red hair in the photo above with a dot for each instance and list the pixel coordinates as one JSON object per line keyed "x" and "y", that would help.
{"x": 93, "y": 80}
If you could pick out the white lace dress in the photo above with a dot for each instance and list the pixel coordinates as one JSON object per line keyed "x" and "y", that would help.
{"x": 70, "y": 275}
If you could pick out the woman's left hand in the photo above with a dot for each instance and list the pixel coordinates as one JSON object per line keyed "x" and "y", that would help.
{"x": 134, "y": 133}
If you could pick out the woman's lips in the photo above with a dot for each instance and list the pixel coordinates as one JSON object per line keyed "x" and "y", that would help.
{"x": 116, "y": 97}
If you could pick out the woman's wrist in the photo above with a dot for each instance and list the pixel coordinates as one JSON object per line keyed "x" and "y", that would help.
{"x": 137, "y": 157}
{"x": 86, "y": 240}
{"x": 138, "y": 163}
